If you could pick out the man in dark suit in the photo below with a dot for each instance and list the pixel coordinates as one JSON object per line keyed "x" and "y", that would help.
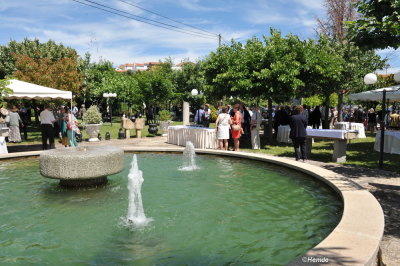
{"x": 298, "y": 133}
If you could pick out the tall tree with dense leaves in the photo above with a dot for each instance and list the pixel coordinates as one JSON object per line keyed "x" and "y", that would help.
{"x": 60, "y": 74}
{"x": 3, "y": 89}
{"x": 189, "y": 77}
{"x": 226, "y": 72}
{"x": 321, "y": 69}
{"x": 379, "y": 25}
{"x": 278, "y": 75}
{"x": 33, "y": 49}
{"x": 156, "y": 86}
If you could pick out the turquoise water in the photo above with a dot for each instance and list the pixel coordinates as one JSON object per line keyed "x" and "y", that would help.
{"x": 229, "y": 211}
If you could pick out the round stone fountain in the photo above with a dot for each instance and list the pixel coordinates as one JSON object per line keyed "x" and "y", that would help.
{"x": 81, "y": 166}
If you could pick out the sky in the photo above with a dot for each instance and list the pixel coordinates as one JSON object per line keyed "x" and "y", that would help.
{"x": 122, "y": 40}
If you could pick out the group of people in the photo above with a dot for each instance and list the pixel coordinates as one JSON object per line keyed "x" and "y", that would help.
{"x": 231, "y": 124}
{"x": 63, "y": 123}
{"x": 15, "y": 118}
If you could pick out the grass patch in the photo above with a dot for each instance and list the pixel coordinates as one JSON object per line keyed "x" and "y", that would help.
{"x": 360, "y": 152}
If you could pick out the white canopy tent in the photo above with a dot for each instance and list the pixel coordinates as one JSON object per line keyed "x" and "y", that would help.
{"x": 25, "y": 90}
{"x": 392, "y": 94}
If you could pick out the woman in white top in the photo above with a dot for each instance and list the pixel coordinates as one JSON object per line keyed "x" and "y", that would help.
{"x": 223, "y": 125}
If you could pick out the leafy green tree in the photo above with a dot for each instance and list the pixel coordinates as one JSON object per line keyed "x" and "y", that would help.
{"x": 276, "y": 71}
{"x": 156, "y": 85}
{"x": 379, "y": 25}
{"x": 226, "y": 73}
{"x": 3, "y": 89}
{"x": 188, "y": 78}
{"x": 321, "y": 69}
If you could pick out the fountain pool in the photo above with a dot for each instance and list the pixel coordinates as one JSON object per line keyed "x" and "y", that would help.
{"x": 227, "y": 211}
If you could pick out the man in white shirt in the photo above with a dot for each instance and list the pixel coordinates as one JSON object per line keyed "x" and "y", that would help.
{"x": 47, "y": 120}
{"x": 255, "y": 128}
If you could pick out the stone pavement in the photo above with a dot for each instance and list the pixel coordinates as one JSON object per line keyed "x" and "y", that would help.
{"x": 384, "y": 185}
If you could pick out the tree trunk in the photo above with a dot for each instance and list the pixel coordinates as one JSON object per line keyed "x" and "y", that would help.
{"x": 327, "y": 110}
{"x": 270, "y": 122}
{"x": 339, "y": 107}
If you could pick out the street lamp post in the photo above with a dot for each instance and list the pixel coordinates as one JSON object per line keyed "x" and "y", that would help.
{"x": 370, "y": 79}
{"x": 186, "y": 109}
{"x": 108, "y": 96}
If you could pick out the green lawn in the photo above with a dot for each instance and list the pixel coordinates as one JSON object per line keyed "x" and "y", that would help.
{"x": 360, "y": 152}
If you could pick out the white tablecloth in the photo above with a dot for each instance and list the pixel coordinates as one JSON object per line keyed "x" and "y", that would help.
{"x": 3, "y": 145}
{"x": 4, "y": 131}
{"x": 283, "y": 134}
{"x": 326, "y": 133}
{"x": 392, "y": 142}
{"x": 202, "y": 138}
{"x": 354, "y": 126}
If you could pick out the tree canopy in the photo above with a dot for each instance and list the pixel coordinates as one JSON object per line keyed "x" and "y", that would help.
{"x": 379, "y": 25}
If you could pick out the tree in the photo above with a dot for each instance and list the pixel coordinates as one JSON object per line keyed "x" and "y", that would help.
{"x": 267, "y": 69}
{"x": 190, "y": 77}
{"x": 321, "y": 69}
{"x": 379, "y": 26}
{"x": 61, "y": 74}
{"x": 33, "y": 49}
{"x": 337, "y": 13}
{"x": 156, "y": 85}
{"x": 3, "y": 89}
{"x": 226, "y": 73}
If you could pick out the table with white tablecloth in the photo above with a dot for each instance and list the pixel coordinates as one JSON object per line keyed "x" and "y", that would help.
{"x": 201, "y": 137}
{"x": 4, "y": 131}
{"x": 283, "y": 134}
{"x": 3, "y": 145}
{"x": 339, "y": 138}
{"x": 352, "y": 126}
{"x": 391, "y": 144}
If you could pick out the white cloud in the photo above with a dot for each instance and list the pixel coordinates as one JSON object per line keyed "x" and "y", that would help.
{"x": 315, "y": 5}
{"x": 195, "y": 6}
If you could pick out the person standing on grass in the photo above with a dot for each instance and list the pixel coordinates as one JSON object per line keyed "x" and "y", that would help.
{"x": 236, "y": 127}
{"x": 223, "y": 124}
{"x": 255, "y": 128}
{"x": 47, "y": 120}
{"x": 298, "y": 133}
{"x": 15, "y": 122}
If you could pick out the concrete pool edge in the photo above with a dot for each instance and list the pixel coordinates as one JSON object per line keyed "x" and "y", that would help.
{"x": 354, "y": 241}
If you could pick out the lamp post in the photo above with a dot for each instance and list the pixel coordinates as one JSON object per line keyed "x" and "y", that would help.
{"x": 370, "y": 79}
{"x": 108, "y": 96}
{"x": 186, "y": 109}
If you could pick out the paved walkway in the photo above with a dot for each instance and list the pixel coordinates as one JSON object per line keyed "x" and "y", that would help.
{"x": 384, "y": 185}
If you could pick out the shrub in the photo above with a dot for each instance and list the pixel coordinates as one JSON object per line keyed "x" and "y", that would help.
{"x": 164, "y": 115}
{"x": 214, "y": 114}
{"x": 92, "y": 115}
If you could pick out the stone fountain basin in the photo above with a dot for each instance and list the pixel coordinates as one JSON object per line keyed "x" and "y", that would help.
{"x": 81, "y": 163}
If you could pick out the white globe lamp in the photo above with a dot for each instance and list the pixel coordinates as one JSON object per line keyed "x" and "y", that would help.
{"x": 397, "y": 77}
{"x": 194, "y": 92}
{"x": 370, "y": 79}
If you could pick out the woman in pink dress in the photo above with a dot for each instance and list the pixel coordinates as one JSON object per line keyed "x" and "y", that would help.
{"x": 236, "y": 127}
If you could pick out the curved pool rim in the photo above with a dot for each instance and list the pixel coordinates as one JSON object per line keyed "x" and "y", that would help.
{"x": 354, "y": 241}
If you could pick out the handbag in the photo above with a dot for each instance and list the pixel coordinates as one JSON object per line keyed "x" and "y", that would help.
{"x": 235, "y": 127}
